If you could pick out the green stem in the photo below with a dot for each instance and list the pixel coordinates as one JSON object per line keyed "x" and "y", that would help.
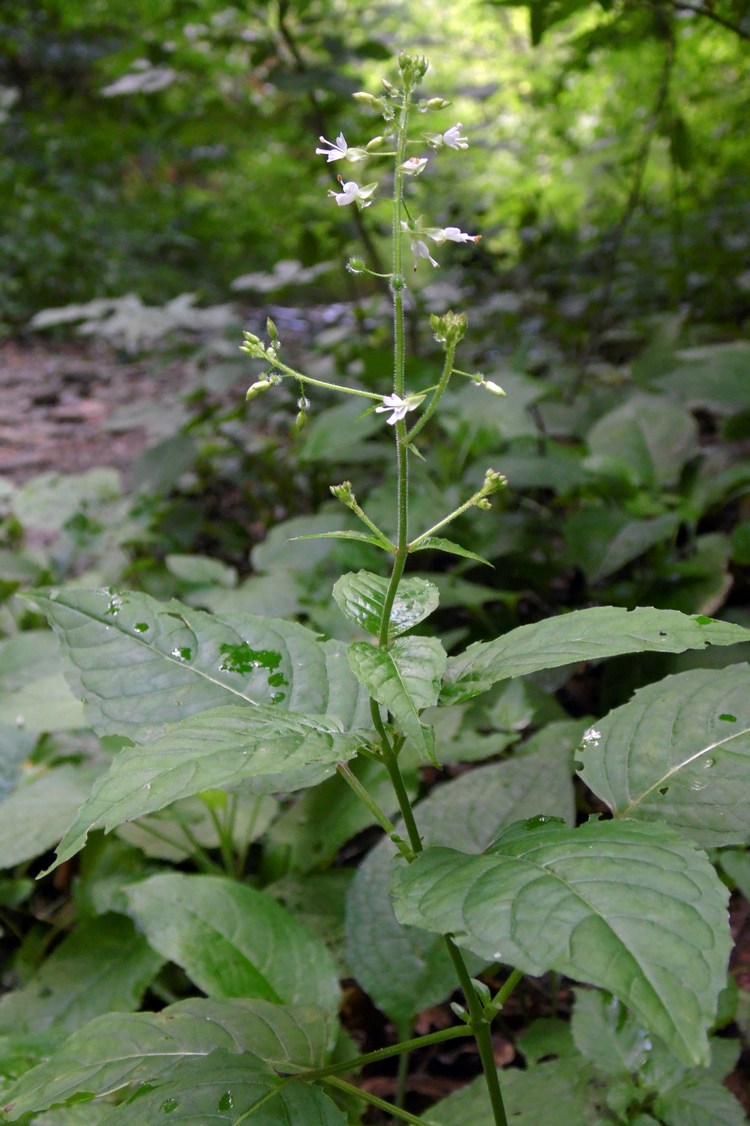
{"x": 504, "y": 992}
{"x": 480, "y": 1026}
{"x": 456, "y": 1032}
{"x": 434, "y": 401}
{"x": 394, "y": 773}
{"x": 366, "y": 798}
{"x": 447, "y": 520}
{"x": 381, "y": 1104}
{"x": 225, "y": 841}
{"x": 278, "y": 366}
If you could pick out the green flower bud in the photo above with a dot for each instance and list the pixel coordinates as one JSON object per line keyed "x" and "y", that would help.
{"x": 375, "y": 143}
{"x": 257, "y": 389}
{"x": 450, "y": 328}
{"x": 356, "y": 266}
{"x": 300, "y": 421}
{"x": 344, "y": 493}
{"x": 272, "y": 332}
{"x": 436, "y": 103}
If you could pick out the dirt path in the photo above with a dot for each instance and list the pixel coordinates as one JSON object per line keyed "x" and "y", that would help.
{"x": 57, "y": 402}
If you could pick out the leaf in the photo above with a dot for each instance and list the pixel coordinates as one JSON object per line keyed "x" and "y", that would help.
{"x": 225, "y": 1088}
{"x": 360, "y": 537}
{"x": 678, "y": 752}
{"x": 649, "y": 433}
{"x": 163, "y": 834}
{"x": 262, "y": 748}
{"x": 629, "y": 907}
{"x": 33, "y": 692}
{"x": 437, "y": 543}
{"x": 606, "y": 1035}
{"x": 116, "y": 1050}
{"x": 232, "y": 940}
{"x": 582, "y": 635}
{"x": 141, "y": 664}
{"x": 361, "y": 599}
{"x": 714, "y": 376}
{"x": 559, "y": 1091}
{"x": 405, "y": 969}
{"x": 404, "y": 679}
{"x": 101, "y": 965}
{"x": 698, "y": 1100}
{"x": 34, "y": 818}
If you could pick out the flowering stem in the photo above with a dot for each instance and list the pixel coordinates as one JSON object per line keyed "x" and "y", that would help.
{"x": 442, "y": 384}
{"x": 441, "y": 523}
{"x": 277, "y": 364}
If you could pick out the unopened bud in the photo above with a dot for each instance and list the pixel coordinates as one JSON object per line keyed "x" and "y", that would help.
{"x": 370, "y": 100}
{"x": 484, "y": 504}
{"x": 493, "y": 388}
{"x": 356, "y": 266}
{"x": 493, "y": 482}
{"x": 344, "y": 493}
{"x": 257, "y": 389}
{"x": 272, "y": 332}
{"x": 375, "y": 143}
{"x": 436, "y": 103}
{"x": 300, "y": 421}
{"x": 450, "y": 328}
{"x": 413, "y": 68}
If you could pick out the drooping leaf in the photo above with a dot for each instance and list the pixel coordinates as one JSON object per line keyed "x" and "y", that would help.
{"x": 405, "y": 679}
{"x": 227, "y": 1089}
{"x": 118, "y": 1049}
{"x": 678, "y": 752}
{"x": 361, "y": 599}
{"x": 233, "y": 941}
{"x": 405, "y": 969}
{"x": 102, "y": 965}
{"x": 141, "y": 664}
{"x": 629, "y": 907}
{"x": 699, "y": 1099}
{"x": 263, "y": 748}
{"x": 651, "y": 434}
{"x": 582, "y": 635}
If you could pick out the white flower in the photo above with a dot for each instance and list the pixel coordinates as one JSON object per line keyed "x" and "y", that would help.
{"x": 452, "y": 234}
{"x": 453, "y": 139}
{"x": 351, "y": 193}
{"x": 398, "y": 406}
{"x": 421, "y": 250}
{"x": 336, "y": 150}
{"x": 414, "y": 165}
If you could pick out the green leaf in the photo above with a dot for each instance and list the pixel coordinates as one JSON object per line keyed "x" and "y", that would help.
{"x": 697, "y": 1101}
{"x": 606, "y": 1035}
{"x": 225, "y": 1088}
{"x": 233, "y": 941}
{"x": 714, "y": 376}
{"x": 629, "y": 907}
{"x": 262, "y": 748}
{"x": 561, "y": 1091}
{"x": 33, "y": 692}
{"x": 141, "y": 664}
{"x": 678, "y": 752}
{"x": 102, "y": 965}
{"x": 404, "y": 679}
{"x": 437, "y": 543}
{"x": 34, "y": 818}
{"x": 651, "y": 434}
{"x": 360, "y": 537}
{"x": 405, "y": 969}
{"x": 114, "y": 1051}
{"x": 582, "y": 635}
{"x": 361, "y": 599}
{"x": 162, "y": 835}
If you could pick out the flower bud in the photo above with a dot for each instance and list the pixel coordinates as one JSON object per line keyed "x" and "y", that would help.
{"x": 300, "y": 421}
{"x": 450, "y": 328}
{"x": 272, "y": 332}
{"x": 375, "y": 143}
{"x": 493, "y": 388}
{"x": 344, "y": 493}
{"x": 356, "y": 266}
{"x": 257, "y": 389}
{"x": 369, "y": 100}
{"x": 436, "y": 103}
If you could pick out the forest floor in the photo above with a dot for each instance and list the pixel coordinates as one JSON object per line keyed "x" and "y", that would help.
{"x": 60, "y": 403}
